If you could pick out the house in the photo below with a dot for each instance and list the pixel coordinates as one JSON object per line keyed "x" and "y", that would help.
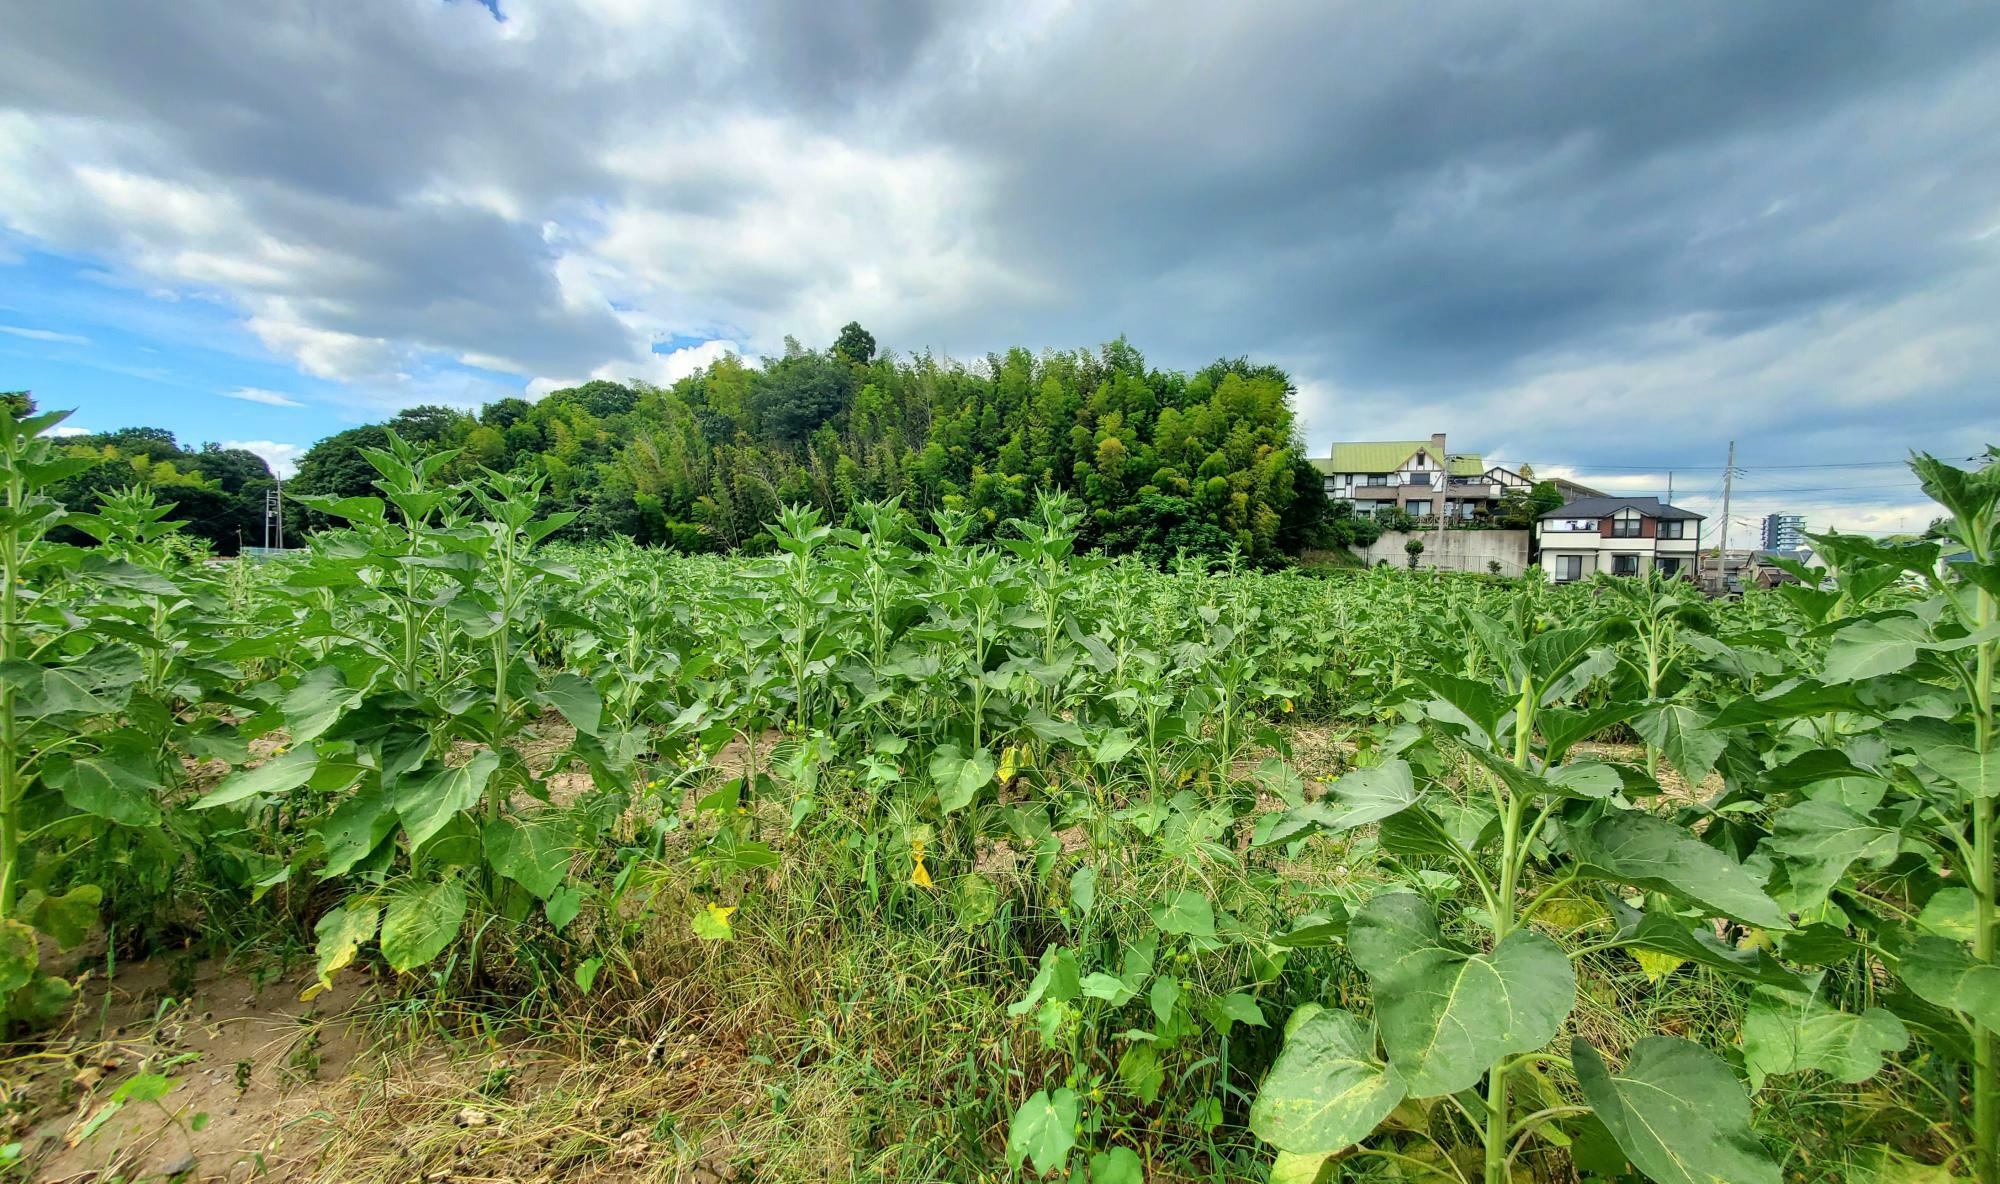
{"x": 1622, "y": 536}
{"x": 1420, "y": 477}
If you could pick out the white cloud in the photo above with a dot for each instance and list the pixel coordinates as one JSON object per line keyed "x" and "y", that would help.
{"x": 251, "y": 394}
{"x": 44, "y": 335}
{"x": 66, "y": 430}
{"x": 283, "y": 458}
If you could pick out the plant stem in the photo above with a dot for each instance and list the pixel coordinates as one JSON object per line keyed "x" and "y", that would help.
{"x": 1985, "y": 1067}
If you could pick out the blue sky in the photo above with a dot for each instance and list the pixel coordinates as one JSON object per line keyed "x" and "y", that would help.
{"x": 1606, "y": 239}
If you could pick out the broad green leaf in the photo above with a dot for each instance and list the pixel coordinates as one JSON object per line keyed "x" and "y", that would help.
{"x": 1950, "y": 913}
{"x": 1120, "y": 1165}
{"x": 1945, "y": 973}
{"x": 1187, "y": 913}
{"x": 280, "y": 774}
{"x": 420, "y": 921}
{"x": 1677, "y": 1112}
{"x": 562, "y": 906}
{"x": 960, "y": 777}
{"x": 426, "y": 803}
{"x": 1234, "y": 1008}
{"x": 533, "y": 852}
{"x": 342, "y": 932}
{"x": 1670, "y": 935}
{"x": 1817, "y": 841}
{"x": 356, "y": 827}
{"x": 1083, "y": 889}
{"x": 1447, "y": 1013}
{"x": 1680, "y": 732}
{"x": 1043, "y": 1130}
{"x": 1872, "y": 647}
{"x": 119, "y": 786}
{"x": 1287, "y": 1168}
{"x": 317, "y": 703}
{"x": 1356, "y": 799}
{"x": 19, "y": 956}
{"x": 1792, "y": 700}
{"x": 578, "y": 701}
{"x": 1792, "y": 1031}
{"x": 1636, "y": 848}
{"x": 1327, "y": 1090}
{"x": 68, "y": 918}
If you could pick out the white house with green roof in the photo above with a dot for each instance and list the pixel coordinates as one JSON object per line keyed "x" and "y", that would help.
{"x": 1423, "y": 478}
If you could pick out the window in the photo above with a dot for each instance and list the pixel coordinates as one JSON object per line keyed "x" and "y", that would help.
{"x": 1667, "y": 567}
{"x": 1377, "y": 479}
{"x": 1421, "y": 507}
{"x": 1568, "y": 567}
{"x": 1673, "y": 528}
{"x": 1624, "y": 565}
{"x": 1625, "y": 528}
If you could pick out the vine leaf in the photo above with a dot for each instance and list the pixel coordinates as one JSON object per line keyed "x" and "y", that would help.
{"x": 1446, "y": 1013}
{"x": 1676, "y": 1111}
{"x": 1944, "y": 972}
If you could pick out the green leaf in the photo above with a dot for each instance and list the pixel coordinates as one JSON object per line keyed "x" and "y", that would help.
{"x": 533, "y": 853}
{"x": 1327, "y": 1090}
{"x": 68, "y": 918}
{"x": 959, "y": 777}
{"x": 1792, "y": 700}
{"x": 119, "y": 786}
{"x": 1670, "y": 935}
{"x": 1636, "y": 848}
{"x": 1872, "y": 647}
{"x": 1677, "y": 1112}
{"x": 1288, "y": 1168}
{"x": 1083, "y": 889}
{"x": 1120, "y": 1165}
{"x": 280, "y": 774}
{"x": 1186, "y": 913}
{"x": 427, "y": 803}
{"x": 1680, "y": 732}
{"x": 1356, "y": 799}
{"x": 1792, "y": 1031}
{"x": 19, "y": 955}
{"x": 1235, "y": 1008}
{"x": 562, "y": 906}
{"x": 342, "y": 932}
{"x": 711, "y": 922}
{"x": 317, "y": 703}
{"x": 1944, "y": 972}
{"x": 1447, "y": 1013}
{"x": 356, "y": 827}
{"x": 1950, "y": 913}
{"x": 1818, "y": 840}
{"x": 421, "y": 921}
{"x": 578, "y": 701}
{"x": 1043, "y": 1130}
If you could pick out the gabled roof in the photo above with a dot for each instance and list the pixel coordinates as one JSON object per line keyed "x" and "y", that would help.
{"x": 1386, "y": 456}
{"x": 1604, "y": 507}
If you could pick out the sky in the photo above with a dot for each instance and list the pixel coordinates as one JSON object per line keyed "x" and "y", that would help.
{"x": 1603, "y": 239}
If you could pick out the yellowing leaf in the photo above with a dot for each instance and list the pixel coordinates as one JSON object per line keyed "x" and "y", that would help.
{"x": 1657, "y": 966}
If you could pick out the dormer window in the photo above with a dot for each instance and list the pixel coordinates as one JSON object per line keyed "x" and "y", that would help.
{"x": 1625, "y": 525}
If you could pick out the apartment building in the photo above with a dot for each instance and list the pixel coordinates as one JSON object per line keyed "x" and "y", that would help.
{"x": 1423, "y": 478}
{"x": 1784, "y": 532}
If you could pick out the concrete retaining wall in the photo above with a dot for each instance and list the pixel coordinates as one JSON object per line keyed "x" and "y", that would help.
{"x": 1455, "y": 550}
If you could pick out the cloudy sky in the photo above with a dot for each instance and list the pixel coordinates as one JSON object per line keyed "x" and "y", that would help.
{"x": 1603, "y": 236}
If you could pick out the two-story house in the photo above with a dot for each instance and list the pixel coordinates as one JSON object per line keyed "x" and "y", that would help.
{"x": 1623, "y": 536}
{"x": 1420, "y": 477}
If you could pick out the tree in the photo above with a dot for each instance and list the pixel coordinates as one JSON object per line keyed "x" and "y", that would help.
{"x": 855, "y": 344}
{"x": 798, "y": 394}
{"x": 1413, "y": 548}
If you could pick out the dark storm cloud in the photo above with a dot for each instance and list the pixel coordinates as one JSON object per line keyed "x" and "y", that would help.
{"x": 1669, "y": 221}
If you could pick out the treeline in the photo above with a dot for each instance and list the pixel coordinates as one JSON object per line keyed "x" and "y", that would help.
{"x": 1163, "y": 461}
{"x": 217, "y": 492}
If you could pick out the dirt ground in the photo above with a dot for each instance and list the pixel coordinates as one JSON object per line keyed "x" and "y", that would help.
{"x": 248, "y": 1061}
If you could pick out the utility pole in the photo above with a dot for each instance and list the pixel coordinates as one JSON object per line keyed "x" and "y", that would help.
{"x": 1722, "y": 551}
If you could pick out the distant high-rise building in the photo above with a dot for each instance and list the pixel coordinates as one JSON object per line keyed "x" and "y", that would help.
{"x": 1784, "y": 532}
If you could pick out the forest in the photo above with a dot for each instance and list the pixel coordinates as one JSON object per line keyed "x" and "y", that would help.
{"x": 1162, "y": 461}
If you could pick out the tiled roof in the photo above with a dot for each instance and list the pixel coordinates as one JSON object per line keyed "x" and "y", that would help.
{"x": 1604, "y": 507}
